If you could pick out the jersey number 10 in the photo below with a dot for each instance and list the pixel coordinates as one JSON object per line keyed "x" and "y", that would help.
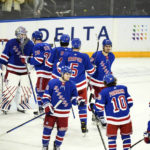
{"x": 119, "y": 103}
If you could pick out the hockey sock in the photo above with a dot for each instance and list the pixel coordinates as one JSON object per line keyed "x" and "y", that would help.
{"x": 39, "y": 97}
{"x": 46, "y": 136}
{"x": 126, "y": 142}
{"x": 59, "y": 138}
{"x": 83, "y": 113}
{"x": 112, "y": 142}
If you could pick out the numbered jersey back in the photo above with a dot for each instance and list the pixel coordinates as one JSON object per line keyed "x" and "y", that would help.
{"x": 79, "y": 63}
{"x": 116, "y": 100}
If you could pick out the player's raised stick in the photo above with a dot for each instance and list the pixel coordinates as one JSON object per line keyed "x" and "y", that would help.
{"x": 91, "y": 94}
{"x": 58, "y": 103}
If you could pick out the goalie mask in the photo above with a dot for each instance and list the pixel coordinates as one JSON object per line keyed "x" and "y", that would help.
{"x": 20, "y": 33}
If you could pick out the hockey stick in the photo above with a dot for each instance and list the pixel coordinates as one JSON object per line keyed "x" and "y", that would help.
{"x": 100, "y": 133}
{"x": 91, "y": 95}
{"x": 136, "y": 143}
{"x": 22, "y": 50}
{"x": 58, "y": 103}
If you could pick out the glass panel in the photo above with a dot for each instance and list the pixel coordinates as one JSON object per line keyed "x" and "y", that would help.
{"x": 22, "y": 9}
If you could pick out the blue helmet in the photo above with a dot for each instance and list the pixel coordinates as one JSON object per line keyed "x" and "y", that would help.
{"x": 66, "y": 69}
{"x": 76, "y": 43}
{"x": 65, "y": 38}
{"x": 109, "y": 78}
{"x": 37, "y": 35}
{"x": 107, "y": 42}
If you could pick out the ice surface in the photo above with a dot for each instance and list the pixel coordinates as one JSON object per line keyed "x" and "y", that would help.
{"x": 132, "y": 72}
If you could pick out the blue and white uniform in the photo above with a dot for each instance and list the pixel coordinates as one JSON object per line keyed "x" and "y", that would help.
{"x": 116, "y": 102}
{"x": 41, "y": 53}
{"x": 55, "y": 59}
{"x": 16, "y": 74}
{"x": 56, "y": 91}
{"x": 103, "y": 66}
{"x": 80, "y": 65}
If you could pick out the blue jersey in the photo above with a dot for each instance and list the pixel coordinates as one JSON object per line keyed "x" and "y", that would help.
{"x": 55, "y": 59}
{"x": 41, "y": 52}
{"x": 64, "y": 91}
{"x": 11, "y": 56}
{"x": 103, "y": 67}
{"x": 117, "y": 102}
{"x": 80, "y": 64}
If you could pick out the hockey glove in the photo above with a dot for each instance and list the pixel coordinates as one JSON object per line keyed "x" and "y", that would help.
{"x": 92, "y": 107}
{"x": 81, "y": 101}
{"x": 48, "y": 109}
{"x": 147, "y": 137}
{"x": 24, "y": 59}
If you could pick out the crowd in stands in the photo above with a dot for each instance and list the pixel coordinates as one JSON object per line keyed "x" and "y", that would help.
{"x": 17, "y": 9}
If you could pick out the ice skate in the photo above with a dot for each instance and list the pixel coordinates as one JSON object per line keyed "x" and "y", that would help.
{"x": 4, "y": 112}
{"x": 40, "y": 111}
{"x": 56, "y": 147}
{"x": 45, "y": 148}
{"x": 84, "y": 128}
{"x": 102, "y": 121}
{"x": 93, "y": 117}
{"x": 20, "y": 110}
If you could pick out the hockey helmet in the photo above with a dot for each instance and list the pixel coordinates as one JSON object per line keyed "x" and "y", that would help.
{"x": 107, "y": 42}
{"x": 37, "y": 35}
{"x": 66, "y": 69}
{"x": 76, "y": 43}
{"x": 20, "y": 30}
{"x": 65, "y": 38}
{"x": 109, "y": 78}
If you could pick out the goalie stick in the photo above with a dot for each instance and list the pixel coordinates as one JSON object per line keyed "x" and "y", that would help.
{"x": 22, "y": 50}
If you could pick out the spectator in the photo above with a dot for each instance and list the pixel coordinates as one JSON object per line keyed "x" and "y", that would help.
{"x": 12, "y": 8}
{"x": 37, "y": 7}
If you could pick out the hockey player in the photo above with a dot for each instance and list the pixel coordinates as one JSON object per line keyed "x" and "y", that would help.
{"x": 41, "y": 52}
{"x": 57, "y": 54}
{"x": 80, "y": 64}
{"x": 147, "y": 134}
{"x": 58, "y": 90}
{"x": 102, "y": 60}
{"x": 16, "y": 78}
{"x": 116, "y": 102}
